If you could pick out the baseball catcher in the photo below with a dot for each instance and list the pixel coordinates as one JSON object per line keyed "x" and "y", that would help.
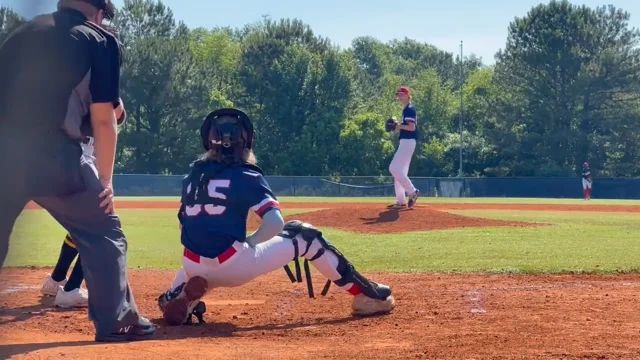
{"x": 218, "y": 193}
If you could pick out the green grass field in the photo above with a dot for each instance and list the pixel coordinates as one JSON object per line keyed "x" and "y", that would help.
{"x": 574, "y": 241}
{"x": 426, "y": 200}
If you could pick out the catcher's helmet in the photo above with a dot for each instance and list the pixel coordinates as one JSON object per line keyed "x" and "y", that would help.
{"x": 585, "y": 164}
{"x": 229, "y": 132}
{"x": 104, "y": 5}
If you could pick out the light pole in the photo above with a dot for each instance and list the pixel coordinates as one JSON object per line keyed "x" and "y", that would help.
{"x": 461, "y": 106}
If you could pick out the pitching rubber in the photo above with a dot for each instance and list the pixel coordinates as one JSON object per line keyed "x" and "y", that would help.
{"x": 176, "y": 312}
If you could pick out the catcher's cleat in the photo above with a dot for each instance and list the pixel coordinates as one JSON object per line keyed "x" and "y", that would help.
{"x": 364, "y": 305}
{"x": 198, "y": 312}
{"x": 178, "y": 304}
{"x": 414, "y": 198}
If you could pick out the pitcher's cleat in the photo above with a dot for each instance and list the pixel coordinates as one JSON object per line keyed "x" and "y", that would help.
{"x": 396, "y": 206}
{"x": 413, "y": 198}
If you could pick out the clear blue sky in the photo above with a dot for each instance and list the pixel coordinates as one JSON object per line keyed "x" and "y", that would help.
{"x": 481, "y": 24}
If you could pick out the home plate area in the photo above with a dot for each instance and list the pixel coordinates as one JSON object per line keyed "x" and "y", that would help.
{"x": 437, "y": 316}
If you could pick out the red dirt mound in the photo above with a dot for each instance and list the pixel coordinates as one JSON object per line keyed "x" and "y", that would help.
{"x": 377, "y": 220}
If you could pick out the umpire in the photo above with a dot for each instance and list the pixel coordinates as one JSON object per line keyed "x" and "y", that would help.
{"x": 42, "y": 64}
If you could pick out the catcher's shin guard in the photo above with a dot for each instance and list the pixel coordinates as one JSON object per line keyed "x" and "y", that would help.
{"x": 178, "y": 305}
{"x": 348, "y": 274}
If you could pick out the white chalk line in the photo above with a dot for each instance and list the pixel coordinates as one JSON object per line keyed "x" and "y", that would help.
{"x": 476, "y": 302}
{"x": 284, "y": 308}
{"x": 18, "y": 288}
{"x": 540, "y": 288}
{"x": 475, "y": 297}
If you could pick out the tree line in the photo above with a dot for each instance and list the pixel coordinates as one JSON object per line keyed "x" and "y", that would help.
{"x": 565, "y": 89}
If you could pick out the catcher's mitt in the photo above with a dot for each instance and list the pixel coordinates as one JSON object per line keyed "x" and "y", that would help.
{"x": 390, "y": 125}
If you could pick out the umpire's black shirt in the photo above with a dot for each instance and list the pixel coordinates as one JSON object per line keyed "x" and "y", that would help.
{"x": 42, "y": 63}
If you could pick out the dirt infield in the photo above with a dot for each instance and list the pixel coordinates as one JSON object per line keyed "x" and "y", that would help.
{"x": 437, "y": 316}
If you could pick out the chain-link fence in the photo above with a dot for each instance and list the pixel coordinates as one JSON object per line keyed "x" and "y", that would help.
{"x": 532, "y": 187}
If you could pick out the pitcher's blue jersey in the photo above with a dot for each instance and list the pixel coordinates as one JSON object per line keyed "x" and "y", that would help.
{"x": 218, "y": 219}
{"x": 409, "y": 116}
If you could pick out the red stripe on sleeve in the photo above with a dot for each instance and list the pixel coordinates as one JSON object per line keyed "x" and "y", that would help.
{"x": 268, "y": 206}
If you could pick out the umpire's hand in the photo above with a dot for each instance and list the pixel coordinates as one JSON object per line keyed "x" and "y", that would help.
{"x": 107, "y": 196}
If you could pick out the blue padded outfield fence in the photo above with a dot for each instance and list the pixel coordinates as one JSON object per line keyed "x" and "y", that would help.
{"x": 355, "y": 186}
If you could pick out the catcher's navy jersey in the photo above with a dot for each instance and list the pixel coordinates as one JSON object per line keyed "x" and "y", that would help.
{"x": 216, "y": 221}
{"x": 409, "y": 116}
{"x": 586, "y": 174}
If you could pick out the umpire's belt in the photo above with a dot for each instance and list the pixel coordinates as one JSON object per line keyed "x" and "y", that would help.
{"x": 217, "y": 261}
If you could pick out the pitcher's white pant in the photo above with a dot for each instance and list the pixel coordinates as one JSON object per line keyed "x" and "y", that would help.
{"x": 586, "y": 184}
{"x": 399, "y": 168}
{"x": 248, "y": 263}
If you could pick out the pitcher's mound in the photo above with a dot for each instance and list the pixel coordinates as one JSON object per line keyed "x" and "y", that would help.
{"x": 377, "y": 220}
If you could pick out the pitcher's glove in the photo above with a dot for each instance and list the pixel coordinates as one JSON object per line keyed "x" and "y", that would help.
{"x": 390, "y": 125}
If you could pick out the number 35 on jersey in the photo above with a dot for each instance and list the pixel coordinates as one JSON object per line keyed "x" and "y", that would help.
{"x": 213, "y": 190}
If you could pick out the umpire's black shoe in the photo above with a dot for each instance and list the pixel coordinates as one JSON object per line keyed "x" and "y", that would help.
{"x": 143, "y": 330}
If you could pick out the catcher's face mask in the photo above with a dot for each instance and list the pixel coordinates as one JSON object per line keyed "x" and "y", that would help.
{"x": 229, "y": 132}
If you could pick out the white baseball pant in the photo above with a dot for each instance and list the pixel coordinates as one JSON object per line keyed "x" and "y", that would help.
{"x": 586, "y": 184}
{"x": 399, "y": 168}
{"x": 243, "y": 263}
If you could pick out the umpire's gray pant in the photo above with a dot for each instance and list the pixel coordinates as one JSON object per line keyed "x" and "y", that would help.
{"x": 99, "y": 238}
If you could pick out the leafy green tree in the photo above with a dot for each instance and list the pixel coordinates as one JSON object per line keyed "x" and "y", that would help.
{"x": 163, "y": 89}
{"x": 364, "y": 146}
{"x": 9, "y": 21}
{"x": 570, "y": 72}
{"x": 298, "y": 90}
{"x": 218, "y": 52}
